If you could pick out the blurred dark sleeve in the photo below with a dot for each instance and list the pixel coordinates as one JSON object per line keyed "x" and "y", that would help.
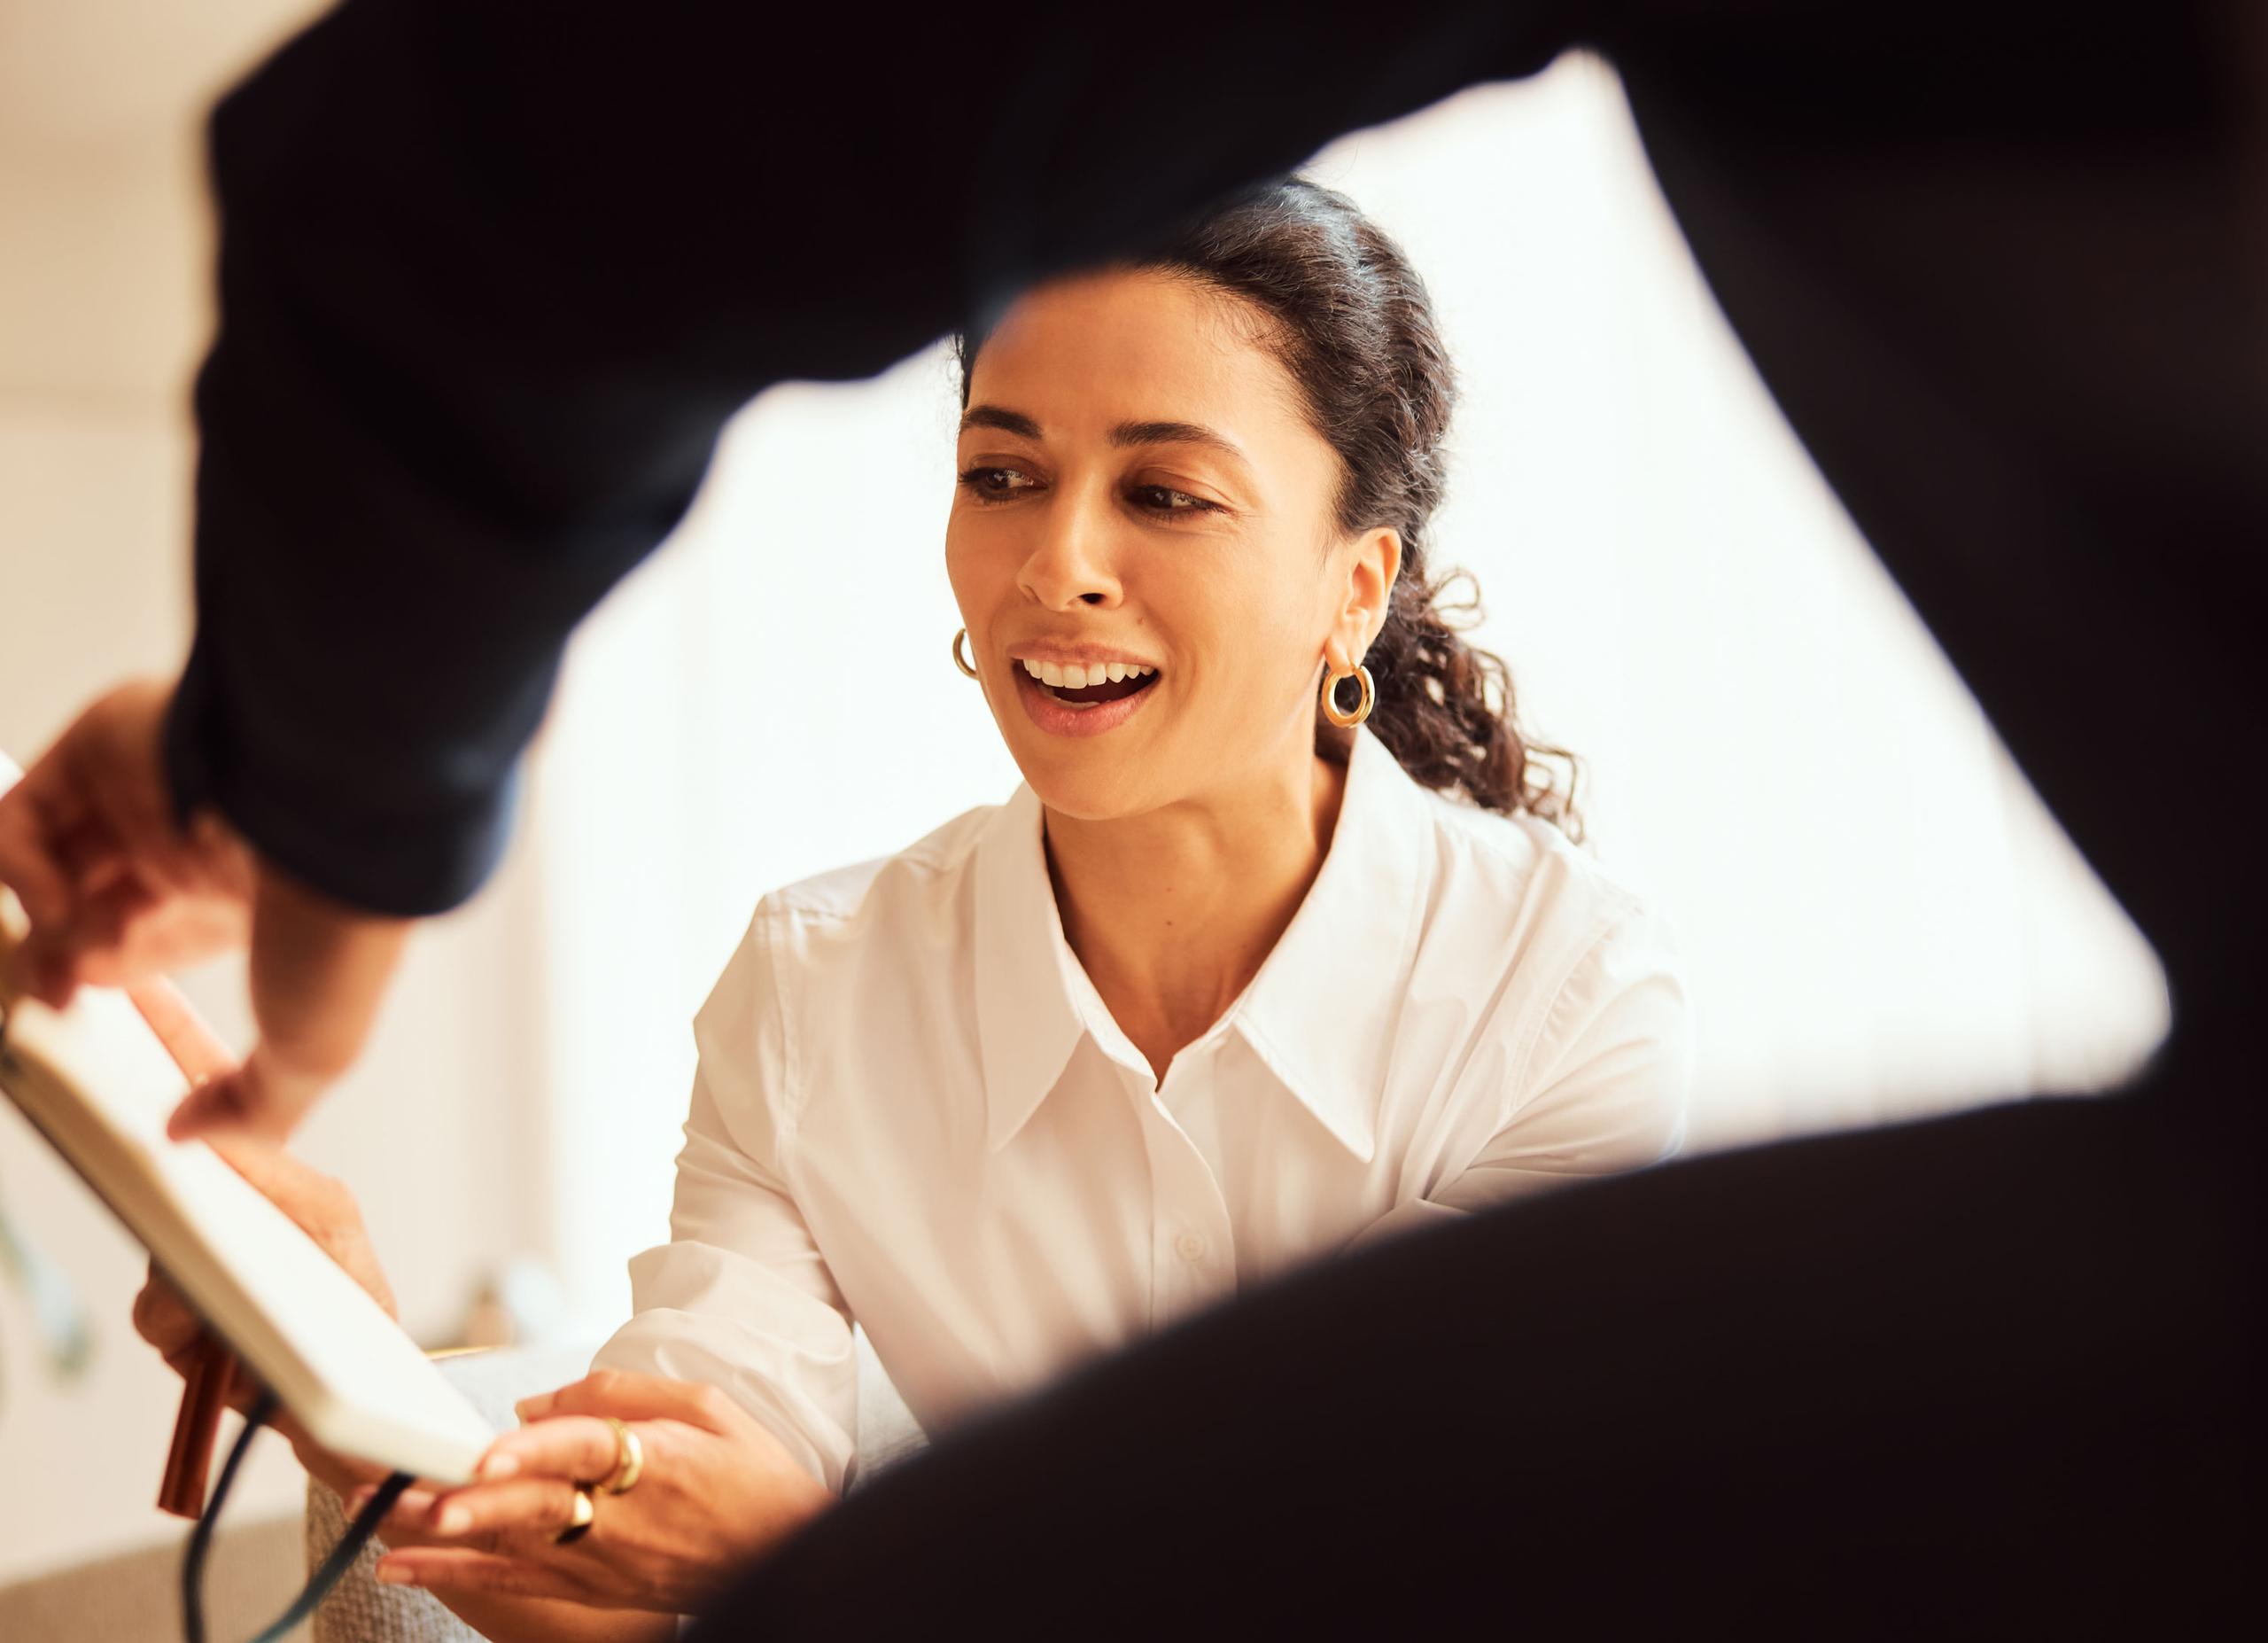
{"x": 491, "y": 277}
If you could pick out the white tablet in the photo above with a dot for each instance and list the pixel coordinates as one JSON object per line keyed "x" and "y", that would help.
{"x": 96, "y": 1082}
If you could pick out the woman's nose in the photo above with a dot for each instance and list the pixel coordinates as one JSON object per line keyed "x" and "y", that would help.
{"x": 1071, "y": 563}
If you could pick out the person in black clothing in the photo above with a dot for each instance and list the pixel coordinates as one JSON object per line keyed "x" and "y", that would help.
{"x": 490, "y": 284}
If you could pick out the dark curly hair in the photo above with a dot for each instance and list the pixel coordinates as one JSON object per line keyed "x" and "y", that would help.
{"x": 1351, "y": 322}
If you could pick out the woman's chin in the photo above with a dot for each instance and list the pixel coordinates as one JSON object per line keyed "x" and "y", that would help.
{"x": 1083, "y": 807}
{"x": 1094, "y": 763}
{"x": 1083, "y": 786}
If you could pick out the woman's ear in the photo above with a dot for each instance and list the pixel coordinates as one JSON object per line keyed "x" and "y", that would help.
{"x": 1371, "y": 574}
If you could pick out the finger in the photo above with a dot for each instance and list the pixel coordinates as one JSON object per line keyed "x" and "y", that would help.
{"x": 402, "y": 1533}
{"x": 90, "y": 854}
{"x": 175, "y": 1335}
{"x": 524, "y": 1505}
{"x": 412, "y": 1505}
{"x": 196, "y": 1048}
{"x": 245, "y": 1103}
{"x": 41, "y": 964}
{"x": 93, "y": 940}
{"x": 409, "y": 1520}
{"x": 209, "y": 1108}
{"x": 454, "y": 1571}
{"x": 42, "y": 968}
{"x": 629, "y": 1397}
{"x": 209, "y": 859}
{"x": 140, "y": 810}
{"x": 578, "y": 1448}
{"x": 164, "y": 937}
{"x": 112, "y": 757}
{"x": 416, "y": 1501}
{"x": 30, "y": 864}
{"x": 226, "y": 877}
{"x": 164, "y": 1320}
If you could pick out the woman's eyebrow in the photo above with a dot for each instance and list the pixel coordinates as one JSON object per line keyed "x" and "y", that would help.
{"x": 1125, "y": 433}
{"x": 1001, "y": 417}
{"x": 1177, "y": 433}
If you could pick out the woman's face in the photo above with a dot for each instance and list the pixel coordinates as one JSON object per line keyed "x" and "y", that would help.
{"x": 1139, "y": 490}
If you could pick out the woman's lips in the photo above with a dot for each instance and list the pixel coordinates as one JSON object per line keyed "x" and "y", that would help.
{"x": 1060, "y": 718}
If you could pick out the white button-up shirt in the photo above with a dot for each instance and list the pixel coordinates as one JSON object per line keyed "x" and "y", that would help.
{"x": 913, "y": 1110}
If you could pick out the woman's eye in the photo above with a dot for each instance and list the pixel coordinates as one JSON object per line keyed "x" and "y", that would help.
{"x": 1164, "y": 499}
{"x": 995, "y": 484}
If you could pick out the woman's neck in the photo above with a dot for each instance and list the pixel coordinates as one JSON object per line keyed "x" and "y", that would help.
{"x": 1173, "y": 913}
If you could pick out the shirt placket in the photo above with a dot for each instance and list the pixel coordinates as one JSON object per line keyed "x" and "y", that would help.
{"x": 1192, "y": 1245}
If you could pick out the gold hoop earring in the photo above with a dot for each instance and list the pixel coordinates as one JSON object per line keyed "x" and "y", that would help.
{"x": 959, "y": 660}
{"x": 1331, "y": 709}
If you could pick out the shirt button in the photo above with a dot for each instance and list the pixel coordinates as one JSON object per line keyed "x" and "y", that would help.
{"x": 1190, "y": 1247}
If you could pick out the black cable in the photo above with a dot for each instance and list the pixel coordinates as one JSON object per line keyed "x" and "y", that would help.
{"x": 200, "y": 1537}
{"x": 326, "y": 1576}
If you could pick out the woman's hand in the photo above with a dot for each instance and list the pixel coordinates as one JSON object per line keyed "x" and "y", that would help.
{"x": 326, "y": 1211}
{"x": 716, "y": 1491}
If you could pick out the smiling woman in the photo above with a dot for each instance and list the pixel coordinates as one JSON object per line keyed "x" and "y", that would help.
{"x": 1252, "y": 967}
{"x": 1296, "y": 309}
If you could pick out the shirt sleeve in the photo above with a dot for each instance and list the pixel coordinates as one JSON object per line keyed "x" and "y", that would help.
{"x": 491, "y": 279}
{"x": 740, "y": 1297}
{"x": 1607, "y": 1084}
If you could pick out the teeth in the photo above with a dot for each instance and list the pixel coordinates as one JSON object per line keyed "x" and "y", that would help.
{"x": 1079, "y": 677}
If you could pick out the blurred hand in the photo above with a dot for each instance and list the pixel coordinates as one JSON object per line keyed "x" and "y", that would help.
{"x": 717, "y": 1489}
{"x": 116, "y": 891}
{"x": 112, "y": 888}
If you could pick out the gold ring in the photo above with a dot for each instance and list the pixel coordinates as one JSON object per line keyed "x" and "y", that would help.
{"x": 629, "y": 1459}
{"x": 579, "y": 1523}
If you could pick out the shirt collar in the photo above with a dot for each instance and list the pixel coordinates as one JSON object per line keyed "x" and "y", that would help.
{"x": 1318, "y": 1014}
{"x": 1026, "y": 1021}
{"x": 1321, "y": 1013}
